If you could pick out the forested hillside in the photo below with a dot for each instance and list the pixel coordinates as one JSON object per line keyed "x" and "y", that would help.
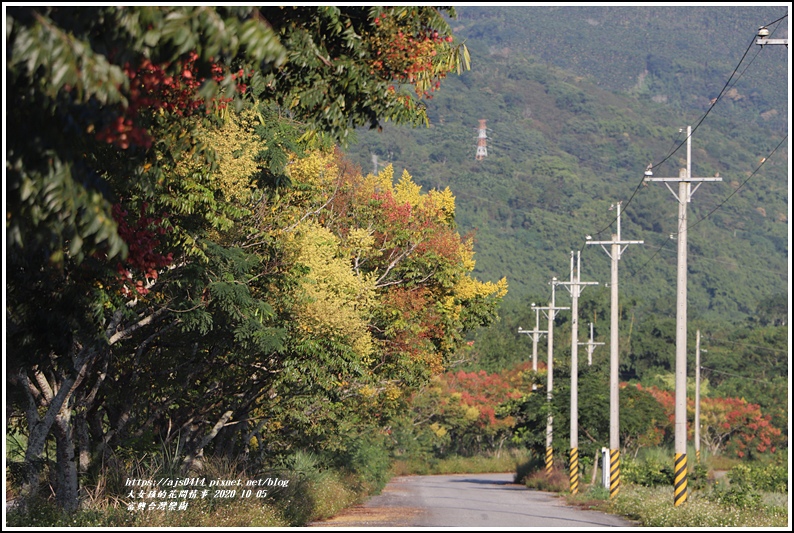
{"x": 563, "y": 147}
{"x": 578, "y": 101}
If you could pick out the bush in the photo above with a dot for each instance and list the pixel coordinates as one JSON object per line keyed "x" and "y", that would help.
{"x": 556, "y": 481}
{"x": 698, "y": 476}
{"x": 772, "y": 477}
{"x": 653, "y": 507}
{"x": 736, "y": 496}
{"x": 649, "y": 473}
{"x": 525, "y": 469}
{"x": 369, "y": 460}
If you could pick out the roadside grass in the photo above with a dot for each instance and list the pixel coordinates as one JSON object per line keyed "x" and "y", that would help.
{"x": 747, "y": 502}
{"x": 715, "y": 506}
{"x": 313, "y": 493}
{"x": 507, "y": 461}
{"x": 653, "y": 507}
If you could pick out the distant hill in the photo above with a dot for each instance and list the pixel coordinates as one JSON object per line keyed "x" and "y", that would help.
{"x": 577, "y": 101}
{"x": 677, "y": 55}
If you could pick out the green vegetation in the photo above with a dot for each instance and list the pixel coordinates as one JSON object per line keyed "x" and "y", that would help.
{"x": 506, "y": 461}
{"x": 195, "y": 273}
{"x": 314, "y": 492}
{"x": 652, "y": 507}
{"x": 646, "y": 494}
{"x": 564, "y": 145}
{"x": 200, "y": 283}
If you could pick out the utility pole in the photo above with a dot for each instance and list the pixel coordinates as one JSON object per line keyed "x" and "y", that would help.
{"x": 614, "y": 393}
{"x": 550, "y": 377}
{"x": 536, "y": 333}
{"x": 590, "y": 346}
{"x": 575, "y": 288}
{"x": 684, "y": 196}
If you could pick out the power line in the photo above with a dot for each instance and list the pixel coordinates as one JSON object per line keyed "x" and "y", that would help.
{"x": 776, "y": 21}
{"x": 713, "y": 103}
{"x": 747, "y": 345}
{"x": 763, "y": 161}
{"x": 736, "y": 375}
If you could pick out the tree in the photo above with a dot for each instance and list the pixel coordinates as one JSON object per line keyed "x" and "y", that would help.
{"x": 734, "y": 425}
{"x": 642, "y": 419}
{"x": 124, "y": 221}
{"x": 99, "y": 74}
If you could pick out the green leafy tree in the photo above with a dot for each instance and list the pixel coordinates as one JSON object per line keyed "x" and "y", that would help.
{"x": 125, "y": 219}
{"x": 642, "y": 418}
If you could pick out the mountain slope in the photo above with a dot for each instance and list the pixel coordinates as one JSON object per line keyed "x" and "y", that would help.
{"x": 563, "y": 146}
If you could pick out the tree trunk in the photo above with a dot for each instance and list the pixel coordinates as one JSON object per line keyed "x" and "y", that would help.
{"x": 193, "y": 459}
{"x": 66, "y": 493}
{"x": 83, "y": 440}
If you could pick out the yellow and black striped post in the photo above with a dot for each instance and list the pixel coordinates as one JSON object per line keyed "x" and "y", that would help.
{"x": 679, "y": 479}
{"x": 614, "y": 472}
{"x": 697, "y": 455}
{"x": 549, "y": 460}
{"x": 574, "y": 470}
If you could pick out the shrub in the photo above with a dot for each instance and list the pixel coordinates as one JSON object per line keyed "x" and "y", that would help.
{"x": 534, "y": 464}
{"x": 648, "y": 473}
{"x": 556, "y": 481}
{"x": 772, "y": 477}
{"x": 735, "y": 496}
{"x": 369, "y": 460}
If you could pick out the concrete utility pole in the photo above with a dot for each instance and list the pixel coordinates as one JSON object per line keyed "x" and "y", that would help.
{"x": 536, "y": 333}
{"x": 614, "y": 393}
{"x": 590, "y": 346}
{"x": 684, "y": 196}
{"x": 575, "y": 288}
{"x": 550, "y": 377}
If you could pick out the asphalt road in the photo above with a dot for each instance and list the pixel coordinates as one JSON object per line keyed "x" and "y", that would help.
{"x": 478, "y": 501}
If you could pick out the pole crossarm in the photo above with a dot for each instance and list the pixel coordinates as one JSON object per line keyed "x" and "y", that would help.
{"x": 683, "y": 177}
{"x": 574, "y": 285}
{"x": 536, "y": 333}
{"x": 617, "y": 242}
{"x": 552, "y": 311}
{"x": 590, "y": 346}
{"x": 763, "y": 42}
{"x": 532, "y": 331}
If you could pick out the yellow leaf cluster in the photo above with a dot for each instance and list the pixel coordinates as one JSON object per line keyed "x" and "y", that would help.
{"x": 359, "y": 240}
{"x": 438, "y": 429}
{"x": 236, "y": 147}
{"x": 377, "y": 183}
{"x": 471, "y": 414}
{"x": 317, "y": 169}
{"x": 406, "y": 191}
{"x": 392, "y": 392}
{"x": 468, "y": 288}
{"x": 367, "y": 391}
{"x": 466, "y": 251}
{"x": 337, "y": 301}
{"x": 444, "y": 202}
